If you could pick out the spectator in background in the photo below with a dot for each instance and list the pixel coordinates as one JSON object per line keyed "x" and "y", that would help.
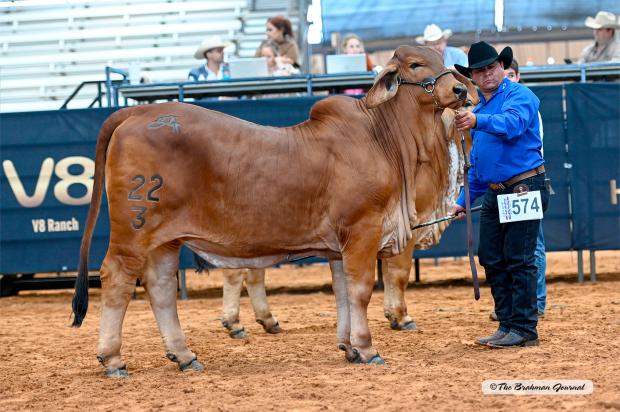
{"x": 211, "y": 49}
{"x": 437, "y": 39}
{"x": 606, "y": 46}
{"x": 276, "y": 65}
{"x": 353, "y": 44}
{"x": 280, "y": 31}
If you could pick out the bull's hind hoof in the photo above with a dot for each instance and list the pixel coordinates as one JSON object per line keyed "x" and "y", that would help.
{"x": 376, "y": 360}
{"x": 118, "y": 373}
{"x": 274, "y": 329}
{"x": 192, "y": 365}
{"x": 410, "y": 325}
{"x": 238, "y": 334}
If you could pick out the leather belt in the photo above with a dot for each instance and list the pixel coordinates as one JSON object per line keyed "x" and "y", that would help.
{"x": 515, "y": 179}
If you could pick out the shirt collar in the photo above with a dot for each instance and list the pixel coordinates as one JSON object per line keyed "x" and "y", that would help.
{"x": 500, "y": 89}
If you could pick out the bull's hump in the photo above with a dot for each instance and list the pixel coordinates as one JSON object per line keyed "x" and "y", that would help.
{"x": 335, "y": 107}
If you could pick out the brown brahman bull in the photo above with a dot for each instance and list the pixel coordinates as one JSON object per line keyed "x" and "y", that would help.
{"x": 396, "y": 269}
{"x": 342, "y": 184}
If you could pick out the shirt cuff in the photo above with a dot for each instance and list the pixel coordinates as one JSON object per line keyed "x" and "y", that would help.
{"x": 482, "y": 121}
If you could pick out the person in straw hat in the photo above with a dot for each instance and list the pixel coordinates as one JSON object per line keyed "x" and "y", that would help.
{"x": 506, "y": 159}
{"x": 437, "y": 39}
{"x": 606, "y": 46}
{"x": 211, "y": 49}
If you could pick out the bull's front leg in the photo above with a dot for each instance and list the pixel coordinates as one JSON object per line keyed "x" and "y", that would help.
{"x": 233, "y": 282}
{"x": 343, "y": 318}
{"x": 359, "y": 257}
{"x": 395, "y": 279}
{"x": 255, "y": 283}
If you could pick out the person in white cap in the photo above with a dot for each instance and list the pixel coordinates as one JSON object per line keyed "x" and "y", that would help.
{"x": 211, "y": 49}
{"x": 606, "y": 47}
{"x": 437, "y": 39}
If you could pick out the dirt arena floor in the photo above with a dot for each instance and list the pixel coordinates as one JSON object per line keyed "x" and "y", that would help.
{"x": 46, "y": 365}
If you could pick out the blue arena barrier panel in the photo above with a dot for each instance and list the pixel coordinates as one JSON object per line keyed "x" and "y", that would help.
{"x": 594, "y": 152}
{"x": 556, "y": 222}
{"x": 45, "y": 181}
{"x": 47, "y": 164}
{"x": 46, "y": 178}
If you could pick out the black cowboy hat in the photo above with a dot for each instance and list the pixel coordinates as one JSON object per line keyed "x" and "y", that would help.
{"x": 482, "y": 54}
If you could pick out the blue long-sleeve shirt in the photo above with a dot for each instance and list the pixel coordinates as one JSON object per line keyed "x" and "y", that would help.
{"x": 506, "y": 139}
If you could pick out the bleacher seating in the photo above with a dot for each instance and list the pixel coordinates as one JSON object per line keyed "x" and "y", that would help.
{"x": 49, "y": 49}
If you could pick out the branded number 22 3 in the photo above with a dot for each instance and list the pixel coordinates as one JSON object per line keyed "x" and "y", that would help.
{"x": 139, "y": 181}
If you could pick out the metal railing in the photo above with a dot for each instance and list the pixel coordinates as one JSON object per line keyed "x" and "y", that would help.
{"x": 98, "y": 99}
{"x": 110, "y": 92}
{"x": 308, "y": 84}
{"x": 110, "y": 85}
{"x": 570, "y": 72}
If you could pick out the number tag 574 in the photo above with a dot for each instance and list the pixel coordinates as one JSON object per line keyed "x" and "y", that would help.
{"x": 515, "y": 207}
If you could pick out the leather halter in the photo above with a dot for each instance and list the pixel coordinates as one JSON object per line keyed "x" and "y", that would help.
{"x": 428, "y": 84}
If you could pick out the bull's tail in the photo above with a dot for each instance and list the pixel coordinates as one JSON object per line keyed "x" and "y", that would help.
{"x": 80, "y": 296}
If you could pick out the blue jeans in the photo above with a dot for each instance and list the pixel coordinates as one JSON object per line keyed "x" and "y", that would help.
{"x": 541, "y": 265}
{"x": 506, "y": 251}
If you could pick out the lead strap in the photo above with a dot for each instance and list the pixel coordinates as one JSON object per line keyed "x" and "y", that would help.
{"x": 470, "y": 236}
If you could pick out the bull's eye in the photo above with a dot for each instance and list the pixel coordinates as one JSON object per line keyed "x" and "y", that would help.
{"x": 415, "y": 65}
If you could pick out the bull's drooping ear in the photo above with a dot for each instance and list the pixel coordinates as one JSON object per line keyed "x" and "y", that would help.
{"x": 385, "y": 87}
{"x": 472, "y": 93}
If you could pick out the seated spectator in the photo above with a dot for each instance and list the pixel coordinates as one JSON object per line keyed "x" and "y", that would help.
{"x": 437, "y": 39}
{"x": 275, "y": 63}
{"x": 605, "y": 47}
{"x": 280, "y": 31}
{"x": 353, "y": 44}
{"x": 211, "y": 49}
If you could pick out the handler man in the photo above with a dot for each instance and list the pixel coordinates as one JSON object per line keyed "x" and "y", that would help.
{"x": 506, "y": 159}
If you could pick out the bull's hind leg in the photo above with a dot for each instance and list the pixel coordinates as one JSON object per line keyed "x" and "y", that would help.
{"x": 255, "y": 283}
{"x": 118, "y": 283}
{"x": 233, "y": 282}
{"x": 395, "y": 279}
{"x": 160, "y": 283}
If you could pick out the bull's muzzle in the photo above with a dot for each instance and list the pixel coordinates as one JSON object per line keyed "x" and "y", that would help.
{"x": 460, "y": 90}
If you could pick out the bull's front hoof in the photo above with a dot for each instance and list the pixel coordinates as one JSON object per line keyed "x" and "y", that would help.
{"x": 192, "y": 365}
{"x": 353, "y": 356}
{"x": 118, "y": 373}
{"x": 357, "y": 358}
{"x": 238, "y": 334}
{"x": 274, "y": 329}
{"x": 349, "y": 353}
{"x": 376, "y": 360}
{"x": 410, "y": 325}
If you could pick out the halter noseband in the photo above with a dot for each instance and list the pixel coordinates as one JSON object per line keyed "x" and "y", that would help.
{"x": 428, "y": 84}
